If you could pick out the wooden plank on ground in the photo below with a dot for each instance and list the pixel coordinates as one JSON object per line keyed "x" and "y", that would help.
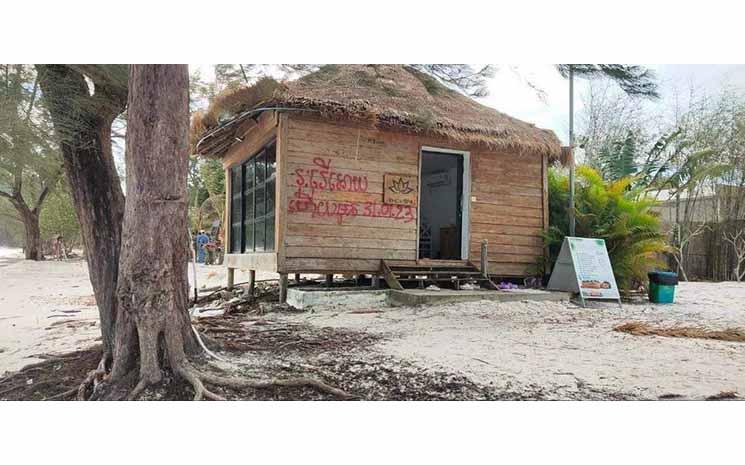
{"x": 389, "y": 277}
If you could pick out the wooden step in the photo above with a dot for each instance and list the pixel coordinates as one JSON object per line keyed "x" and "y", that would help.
{"x": 440, "y": 272}
{"x": 440, "y": 280}
{"x": 433, "y": 268}
{"x": 435, "y": 273}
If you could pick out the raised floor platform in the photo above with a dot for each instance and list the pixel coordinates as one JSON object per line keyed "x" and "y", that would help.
{"x": 412, "y": 297}
{"x": 355, "y": 298}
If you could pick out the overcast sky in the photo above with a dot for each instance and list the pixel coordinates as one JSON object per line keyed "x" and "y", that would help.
{"x": 509, "y": 91}
{"x": 510, "y": 94}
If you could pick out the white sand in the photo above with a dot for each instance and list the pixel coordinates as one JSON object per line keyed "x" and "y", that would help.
{"x": 35, "y": 299}
{"x": 560, "y": 347}
{"x": 48, "y": 307}
{"x": 551, "y": 345}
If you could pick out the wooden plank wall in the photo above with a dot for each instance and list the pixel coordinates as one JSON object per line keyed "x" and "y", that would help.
{"x": 509, "y": 209}
{"x": 343, "y": 225}
{"x": 336, "y": 220}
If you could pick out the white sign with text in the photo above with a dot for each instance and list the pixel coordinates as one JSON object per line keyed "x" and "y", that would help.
{"x": 584, "y": 267}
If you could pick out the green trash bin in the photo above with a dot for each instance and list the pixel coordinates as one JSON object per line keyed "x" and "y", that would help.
{"x": 662, "y": 287}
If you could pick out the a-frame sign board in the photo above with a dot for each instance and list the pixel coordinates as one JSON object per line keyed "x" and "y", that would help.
{"x": 583, "y": 267}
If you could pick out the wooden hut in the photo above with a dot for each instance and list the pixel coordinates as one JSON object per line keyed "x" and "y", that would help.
{"x": 376, "y": 170}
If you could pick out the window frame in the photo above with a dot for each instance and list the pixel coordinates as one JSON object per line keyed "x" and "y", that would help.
{"x": 267, "y": 217}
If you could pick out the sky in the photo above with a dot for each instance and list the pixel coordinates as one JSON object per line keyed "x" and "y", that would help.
{"x": 509, "y": 93}
{"x": 510, "y": 89}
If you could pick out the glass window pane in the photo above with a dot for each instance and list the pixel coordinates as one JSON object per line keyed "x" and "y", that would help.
{"x": 248, "y": 201}
{"x": 259, "y": 206}
{"x": 269, "y": 237}
{"x": 259, "y": 235}
{"x": 235, "y": 209}
{"x": 269, "y": 194}
{"x": 235, "y": 238}
{"x": 235, "y": 180}
{"x": 249, "y": 180}
{"x": 248, "y": 229}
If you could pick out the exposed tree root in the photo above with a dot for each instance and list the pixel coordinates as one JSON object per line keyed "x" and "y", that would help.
{"x": 199, "y": 390}
{"x": 92, "y": 386}
{"x": 238, "y": 383}
{"x": 91, "y": 381}
{"x": 64, "y": 394}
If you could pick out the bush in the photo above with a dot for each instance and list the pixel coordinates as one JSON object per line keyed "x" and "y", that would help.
{"x": 612, "y": 211}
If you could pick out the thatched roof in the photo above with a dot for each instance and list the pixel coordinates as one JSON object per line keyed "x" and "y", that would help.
{"x": 394, "y": 97}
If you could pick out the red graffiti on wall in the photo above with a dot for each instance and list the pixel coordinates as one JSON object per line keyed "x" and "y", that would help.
{"x": 322, "y": 178}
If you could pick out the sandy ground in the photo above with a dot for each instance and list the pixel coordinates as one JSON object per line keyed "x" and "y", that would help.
{"x": 45, "y": 308}
{"x": 563, "y": 348}
{"x": 560, "y": 349}
{"x": 48, "y": 307}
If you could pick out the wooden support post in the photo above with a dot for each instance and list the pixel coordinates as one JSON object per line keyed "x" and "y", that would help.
{"x": 329, "y": 280}
{"x": 282, "y": 288}
{"x": 297, "y": 278}
{"x": 484, "y": 259}
{"x": 251, "y": 282}
{"x": 375, "y": 281}
{"x": 231, "y": 279}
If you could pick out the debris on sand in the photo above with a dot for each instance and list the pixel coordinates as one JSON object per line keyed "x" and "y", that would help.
{"x": 241, "y": 333}
{"x": 645, "y": 329}
{"x": 724, "y": 395}
{"x": 56, "y": 378}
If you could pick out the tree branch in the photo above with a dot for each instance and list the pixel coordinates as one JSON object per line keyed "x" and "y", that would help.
{"x": 47, "y": 189}
{"x": 33, "y": 98}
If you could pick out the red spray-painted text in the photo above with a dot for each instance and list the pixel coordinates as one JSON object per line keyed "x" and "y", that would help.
{"x": 322, "y": 178}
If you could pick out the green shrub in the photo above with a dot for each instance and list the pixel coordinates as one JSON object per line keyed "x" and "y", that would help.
{"x": 58, "y": 217}
{"x": 610, "y": 210}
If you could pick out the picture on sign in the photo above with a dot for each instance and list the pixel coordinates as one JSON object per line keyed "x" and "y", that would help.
{"x": 583, "y": 266}
{"x": 400, "y": 189}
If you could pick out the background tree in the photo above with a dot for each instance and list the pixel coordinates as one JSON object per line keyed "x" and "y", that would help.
{"x": 84, "y": 101}
{"x": 30, "y": 165}
{"x": 609, "y": 115}
{"x": 634, "y": 80}
{"x": 12, "y": 232}
{"x": 737, "y": 241}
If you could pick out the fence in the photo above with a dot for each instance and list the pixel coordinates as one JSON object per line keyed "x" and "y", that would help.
{"x": 708, "y": 256}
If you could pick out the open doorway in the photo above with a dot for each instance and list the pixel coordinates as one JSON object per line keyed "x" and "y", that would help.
{"x": 441, "y": 205}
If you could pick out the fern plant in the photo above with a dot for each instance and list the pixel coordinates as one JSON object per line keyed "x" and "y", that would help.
{"x": 610, "y": 210}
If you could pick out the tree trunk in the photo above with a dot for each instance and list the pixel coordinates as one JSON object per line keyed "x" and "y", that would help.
{"x": 83, "y": 126}
{"x": 152, "y": 288}
{"x": 33, "y": 236}
{"x": 30, "y": 219}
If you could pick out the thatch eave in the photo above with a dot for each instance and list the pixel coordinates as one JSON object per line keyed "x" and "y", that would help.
{"x": 337, "y": 96}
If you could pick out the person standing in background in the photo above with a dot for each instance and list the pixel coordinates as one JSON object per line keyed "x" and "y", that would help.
{"x": 202, "y": 239}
